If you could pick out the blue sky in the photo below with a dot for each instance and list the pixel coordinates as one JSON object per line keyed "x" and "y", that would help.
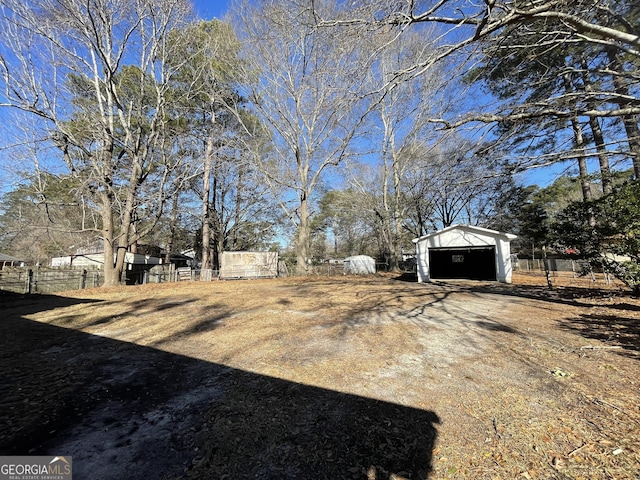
{"x": 208, "y": 9}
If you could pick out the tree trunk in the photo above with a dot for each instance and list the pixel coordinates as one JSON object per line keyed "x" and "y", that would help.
{"x": 398, "y": 213}
{"x": 237, "y": 215}
{"x": 125, "y": 238}
{"x": 585, "y": 184}
{"x": 206, "y": 200}
{"x": 114, "y": 245}
{"x": 111, "y": 276}
{"x": 114, "y": 251}
{"x": 598, "y": 137}
{"x": 173, "y": 222}
{"x": 633, "y": 139}
{"x": 217, "y": 214}
{"x": 603, "y": 156}
{"x": 303, "y": 237}
{"x": 218, "y": 248}
{"x": 630, "y": 122}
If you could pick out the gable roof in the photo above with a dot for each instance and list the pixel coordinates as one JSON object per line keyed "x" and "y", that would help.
{"x": 9, "y": 258}
{"x": 469, "y": 228}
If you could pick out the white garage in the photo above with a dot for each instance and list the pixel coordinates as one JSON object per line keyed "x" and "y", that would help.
{"x": 464, "y": 252}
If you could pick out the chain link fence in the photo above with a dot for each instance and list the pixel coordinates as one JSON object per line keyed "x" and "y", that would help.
{"x": 577, "y": 267}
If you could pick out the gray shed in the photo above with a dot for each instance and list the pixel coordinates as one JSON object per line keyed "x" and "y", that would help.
{"x": 359, "y": 265}
{"x": 464, "y": 252}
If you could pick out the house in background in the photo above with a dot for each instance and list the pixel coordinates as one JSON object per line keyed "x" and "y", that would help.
{"x": 9, "y": 261}
{"x": 464, "y": 252}
{"x": 135, "y": 264}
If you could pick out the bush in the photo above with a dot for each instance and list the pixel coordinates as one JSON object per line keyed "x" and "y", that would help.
{"x": 605, "y": 232}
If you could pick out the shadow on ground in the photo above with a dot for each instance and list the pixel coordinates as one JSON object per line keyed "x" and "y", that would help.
{"x": 614, "y": 330}
{"x": 126, "y": 411}
{"x": 618, "y": 327}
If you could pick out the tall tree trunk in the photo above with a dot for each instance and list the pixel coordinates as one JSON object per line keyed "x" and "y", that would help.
{"x": 303, "y": 236}
{"x": 389, "y": 217}
{"x": 237, "y": 214}
{"x": 398, "y": 213}
{"x": 218, "y": 248}
{"x": 603, "y": 155}
{"x": 115, "y": 247}
{"x": 585, "y": 184}
{"x": 217, "y": 215}
{"x": 125, "y": 238}
{"x": 206, "y": 204}
{"x": 111, "y": 276}
{"x": 598, "y": 137}
{"x": 630, "y": 122}
{"x": 633, "y": 139}
{"x": 386, "y": 213}
{"x": 173, "y": 223}
{"x": 578, "y": 138}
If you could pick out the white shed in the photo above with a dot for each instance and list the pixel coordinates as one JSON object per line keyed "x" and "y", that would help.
{"x": 464, "y": 252}
{"x": 360, "y": 265}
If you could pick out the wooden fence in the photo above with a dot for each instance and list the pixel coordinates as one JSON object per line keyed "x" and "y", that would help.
{"x": 50, "y": 280}
{"x": 41, "y": 280}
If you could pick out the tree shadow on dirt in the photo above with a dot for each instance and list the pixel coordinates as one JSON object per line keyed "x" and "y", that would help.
{"x": 561, "y": 295}
{"x": 614, "y": 330}
{"x": 558, "y": 294}
{"x": 126, "y": 411}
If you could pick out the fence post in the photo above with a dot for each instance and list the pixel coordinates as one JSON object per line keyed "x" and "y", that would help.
{"x": 29, "y": 281}
{"x": 83, "y": 280}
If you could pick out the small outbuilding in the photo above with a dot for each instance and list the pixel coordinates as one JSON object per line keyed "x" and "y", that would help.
{"x": 360, "y": 265}
{"x": 464, "y": 252}
{"x": 9, "y": 261}
{"x": 248, "y": 265}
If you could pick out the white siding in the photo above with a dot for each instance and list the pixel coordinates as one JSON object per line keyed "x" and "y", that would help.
{"x": 96, "y": 260}
{"x": 458, "y": 236}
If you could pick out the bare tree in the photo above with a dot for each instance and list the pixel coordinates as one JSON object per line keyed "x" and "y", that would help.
{"x": 399, "y": 132}
{"x": 557, "y": 25}
{"x": 599, "y": 22}
{"x": 456, "y": 181}
{"x": 96, "y": 73}
{"x": 305, "y": 86}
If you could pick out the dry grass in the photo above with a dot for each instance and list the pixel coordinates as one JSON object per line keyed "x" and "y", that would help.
{"x": 344, "y": 377}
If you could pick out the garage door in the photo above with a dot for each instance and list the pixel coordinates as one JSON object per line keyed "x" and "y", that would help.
{"x": 477, "y": 263}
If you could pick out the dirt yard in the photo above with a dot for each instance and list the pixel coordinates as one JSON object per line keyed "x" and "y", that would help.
{"x": 326, "y": 378}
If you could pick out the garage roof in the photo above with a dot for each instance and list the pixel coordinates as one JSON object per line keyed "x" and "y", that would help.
{"x": 469, "y": 229}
